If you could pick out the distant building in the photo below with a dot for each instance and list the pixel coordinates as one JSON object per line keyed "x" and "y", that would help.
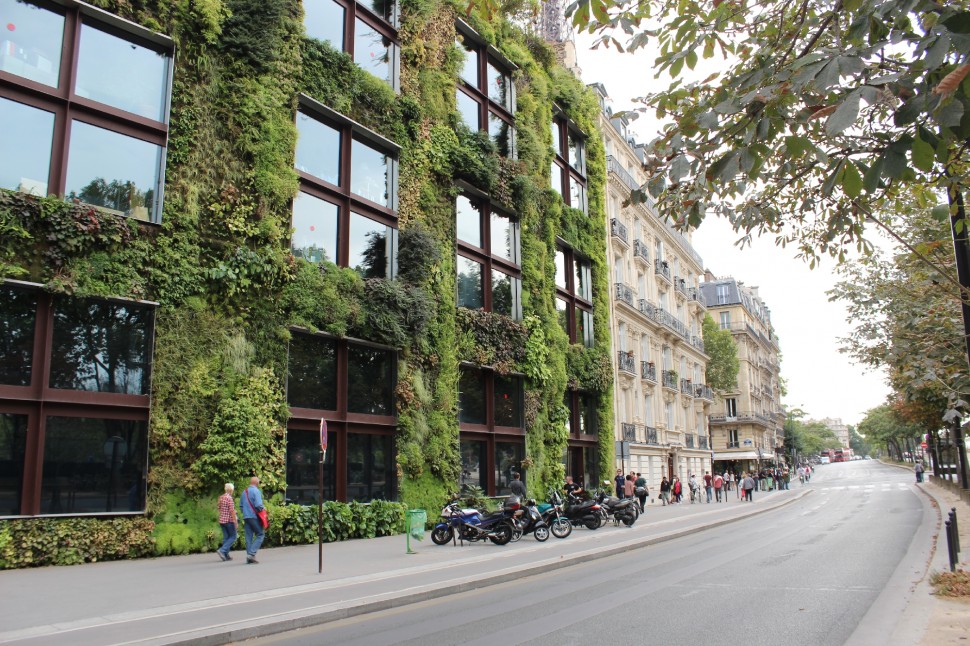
{"x": 841, "y": 431}
{"x": 747, "y": 431}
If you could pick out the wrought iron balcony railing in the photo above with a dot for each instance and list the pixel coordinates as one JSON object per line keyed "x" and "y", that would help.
{"x": 626, "y": 362}
{"x": 648, "y": 371}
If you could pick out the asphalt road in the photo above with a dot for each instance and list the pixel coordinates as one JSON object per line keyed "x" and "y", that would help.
{"x": 809, "y": 573}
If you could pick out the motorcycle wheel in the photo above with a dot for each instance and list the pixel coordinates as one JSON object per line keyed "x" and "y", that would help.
{"x": 561, "y": 528}
{"x": 541, "y": 534}
{"x": 596, "y": 523}
{"x": 502, "y": 534}
{"x": 441, "y": 535}
{"x": 516, "y": 534}
{"x": 629, "y": 520}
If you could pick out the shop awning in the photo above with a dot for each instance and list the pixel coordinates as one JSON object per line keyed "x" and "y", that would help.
{"x": 742, "y": 455}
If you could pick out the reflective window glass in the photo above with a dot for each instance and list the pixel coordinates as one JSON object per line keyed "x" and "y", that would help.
{"x": 468, "y": 221}
{"x": 113, "y": 171}
{"x": 370, "y": 171}
{"x": 508, "y": 460}
{"x": 560, "y": 269}
{"x": 121, "y": 74}
{"x": 556, "y": 178}
{"x": 556, "y": 143}
{"x": 500, "y": 132}
{"x": 503, "y": 233}
{"x": 508, "y": 401}
{"x": 499, "y": 87}
{"x": 587, "y": 414}
{"x": 386, "y": 9}
{"x": 18, "y": 310}
{"x": 474, "y": 471}
{"x": 371, "y": 470}
{"x": 30, "y": 46}
{"x": 370, "y": 380}
{"x": 562, "y": 314}
{"x": 471, "y": 396}
{"x": 470, "y": 283}
{"x": 469, "y": 70}
{"x": 314, "y": 228}
{"x": 584, "y": 327}
{"x": 101, "y": 346}
{"x": 324, "y": 20}
{"x": 312, "y": 373}
{"x": 468, "y": 109}
{"x": 302, "y": 467}
{"x": 317, "y": 149}
{"x": 504, "y": 288}
{"x": 372, "y": 247}
{"x": 13, "y": 449}
{"x": 94, "y": 465}
{"x": 577, "y": 194}
{"x": 373, "y": 51}
{"x": 576, "y": 153}
{"x": 25, "y": 147}
{"x": 582, "y": 280}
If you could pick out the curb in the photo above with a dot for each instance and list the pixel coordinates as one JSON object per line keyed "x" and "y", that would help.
{"x": 308, "y": 617}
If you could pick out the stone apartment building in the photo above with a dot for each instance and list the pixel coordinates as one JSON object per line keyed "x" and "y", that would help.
{"x": 747, "y": 427}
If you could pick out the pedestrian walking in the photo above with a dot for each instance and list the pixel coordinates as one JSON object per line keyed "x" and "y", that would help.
{"x": 517, "y": 487}
{"x": 737, "y": 484}
{"x": 676, "y": 490}
{"x": 718, "y": 486}
{"x": 695, "y": 494}
{"x": 919, "y": 470}
{"x": 665, "y": 491}
{"x": 708, "y": 486}
{"x": 620, "y": 481}
{"x": 629, "y": 488}
{"x": 748, "y": 485}
{"x": 641, "y": 490}
{"x": 228, "y": 521}
{"x": 251, "y": 503}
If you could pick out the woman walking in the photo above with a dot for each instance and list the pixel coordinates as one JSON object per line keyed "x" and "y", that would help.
{"x": 228, "y": 521}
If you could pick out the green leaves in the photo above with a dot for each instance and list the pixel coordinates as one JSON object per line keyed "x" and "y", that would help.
{"x": 845, "y": 115}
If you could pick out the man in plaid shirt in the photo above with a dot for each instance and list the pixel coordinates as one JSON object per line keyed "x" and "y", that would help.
{"x": 228, "y": 521}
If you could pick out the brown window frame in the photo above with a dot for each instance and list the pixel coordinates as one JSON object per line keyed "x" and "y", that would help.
{"x": 574, "y": 402}
{"x": 565, "y": 127}
{"x": 68, "y": 106}
{"x": 568, "y": 294}
{"x": 488, "y": 55}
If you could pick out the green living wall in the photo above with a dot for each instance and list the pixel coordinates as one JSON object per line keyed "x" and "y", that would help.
{"x": 228, "y": 288}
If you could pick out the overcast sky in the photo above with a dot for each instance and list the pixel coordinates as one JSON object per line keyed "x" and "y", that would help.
{"x": 821, "y": 380}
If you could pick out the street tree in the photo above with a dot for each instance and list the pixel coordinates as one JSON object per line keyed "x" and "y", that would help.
{"x": 723, "y": 365}
{"x": 885, "y": 428}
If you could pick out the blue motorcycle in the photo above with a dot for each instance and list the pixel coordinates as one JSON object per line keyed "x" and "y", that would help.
{"x": 469, "y": 524}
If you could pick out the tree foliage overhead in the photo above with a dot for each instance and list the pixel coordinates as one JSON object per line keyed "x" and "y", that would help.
{"x": 819, "y": 116}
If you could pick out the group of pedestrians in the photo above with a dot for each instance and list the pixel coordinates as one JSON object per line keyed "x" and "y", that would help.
{"x": 250, "y": 503}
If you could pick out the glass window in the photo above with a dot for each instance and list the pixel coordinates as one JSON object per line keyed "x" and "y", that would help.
{"x": 371, "y": 473}
{"x": 469, "y": 70}
{"x": 372, "y": 247}
{"x": 317, "y": 149}
{"x": 303, "y": 465}
{"x": 503, "y": 231}
{"x": 499, "y": 87}
{"x": 556, "y": 178}
{"x": 587, "y": 414}
{"x": 13, "y": 451}
{"x": 468, "y": 109}
{"x": 500, "y": 132}
{"x": 312, "y": 373}
{"x": 18, "y": 310}
{"x": 25, "y": 147}
{"x": 373, "y": 51}
{"x": 556, "y": 142}
{"x": 577, "y": 194}
{"x": 370, "y": 380}
{"x": 561, "y": 269}
{"x": 471, "y": 396}
{"x": 101, "y": 347}
{"x": 370, "y": 173}
{"x": 94, "y": 465}
{"x": 314, "y": 228}
{"x": 112, "y": 170}
{"x": 508, "y": 460}
{"x": 324, "y": 20}
{"x": 562, "y": 313}
{"x": 121, "y": 74}
{"x": 504, "y": 293}
{"x": 583, "y": 280}
{"x": 31, "y": 43}
{"x": 386, "y": 9}
{"x": 468, "y": 221}
{"x": 473, "y": 464}
{"x": 584, "y": 327}
{"x": 508, "y": 401}
{"x": 576, "y": 152}
{"x": 470, "y": 283}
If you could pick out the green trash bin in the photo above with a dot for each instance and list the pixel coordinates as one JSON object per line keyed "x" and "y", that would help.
{"x": 414, "y": 522}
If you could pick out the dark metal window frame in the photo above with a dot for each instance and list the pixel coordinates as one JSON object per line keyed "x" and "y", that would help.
{"x": 484, "y": 256}
{"x": 68, "y": 106}
{"x": 566, "y": 127}
{"x": 479, "y": 94}
{"x": 574, "y": 402}
{"x": 38, "y": 400}
{"x": 574, "y": 301}
{"x": 341, "y": 196}
{"x": 489, "y": 427}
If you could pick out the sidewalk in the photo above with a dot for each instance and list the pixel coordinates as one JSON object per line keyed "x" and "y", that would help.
{"x": 201, "y": 600}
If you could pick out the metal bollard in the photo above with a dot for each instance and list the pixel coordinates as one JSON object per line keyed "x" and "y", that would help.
{"x": 950, "y": 547}
{"x": 956, "y": 529}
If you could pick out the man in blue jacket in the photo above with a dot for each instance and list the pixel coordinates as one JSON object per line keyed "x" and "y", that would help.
{"x": 251, "y": 502}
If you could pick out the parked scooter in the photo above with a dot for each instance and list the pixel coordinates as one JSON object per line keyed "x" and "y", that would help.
{"x": 552, "y": 513}
{"x": 468, "y": 524}
{"x": 528, "y": 520}
{"x": 583, "y": 512}
{"x": 622, "y": 510}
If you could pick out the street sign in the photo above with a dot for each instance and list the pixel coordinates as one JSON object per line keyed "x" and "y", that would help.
{"x": 323, "y": 435}
{"x": 924, "y": 444}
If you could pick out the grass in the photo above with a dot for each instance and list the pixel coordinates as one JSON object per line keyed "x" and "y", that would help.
{"x": 951, "y": 584}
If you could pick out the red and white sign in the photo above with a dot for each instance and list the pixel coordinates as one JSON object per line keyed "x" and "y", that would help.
{"x": 323, "y": 435}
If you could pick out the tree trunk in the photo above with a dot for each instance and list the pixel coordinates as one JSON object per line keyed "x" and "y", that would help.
{"x": 935, "y": 452}
{"x": 961, "y": 248}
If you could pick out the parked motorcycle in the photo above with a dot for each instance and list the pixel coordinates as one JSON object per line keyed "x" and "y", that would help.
{"x": 528, "y": 520}
{"x": 553, "y": 514}
{"x": 583, "y": 512}
{"x": 468, "y": 524}
{"x": 622, "y": 510}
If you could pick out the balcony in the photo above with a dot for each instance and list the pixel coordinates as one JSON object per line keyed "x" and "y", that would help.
{"x": 747, "y": 417}
{"x": 686, "y": 387}
{"x": 615, "y": 167}
{"x": 640, "y": 252}
{"x": 689, "y": 441}
{"x": 734, "y": 445}
{"x": 669, "y": 320}
{"x": 649, "y": 310}
{"x": 662, "y": 269}
{"x": 625, "y": 362}
{"x": 669, "y": 379}
{"x": 628, "y": 432}
{"x": 702, "y": 442}
{"x": 694, "y": 296}
{"x": 704, "y": 392}
{"x": 624, "y": 293}
{"x": 697, "y": 342}
{"x": 618, "y": 231}
{"x": 648, "y": 371}
{"x": 652, "y": 435}
{"x": 680, "y": 286}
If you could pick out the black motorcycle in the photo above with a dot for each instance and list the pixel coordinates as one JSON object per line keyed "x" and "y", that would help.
{"x": 622, "y": 510}
{"x": 583, "y": 512}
